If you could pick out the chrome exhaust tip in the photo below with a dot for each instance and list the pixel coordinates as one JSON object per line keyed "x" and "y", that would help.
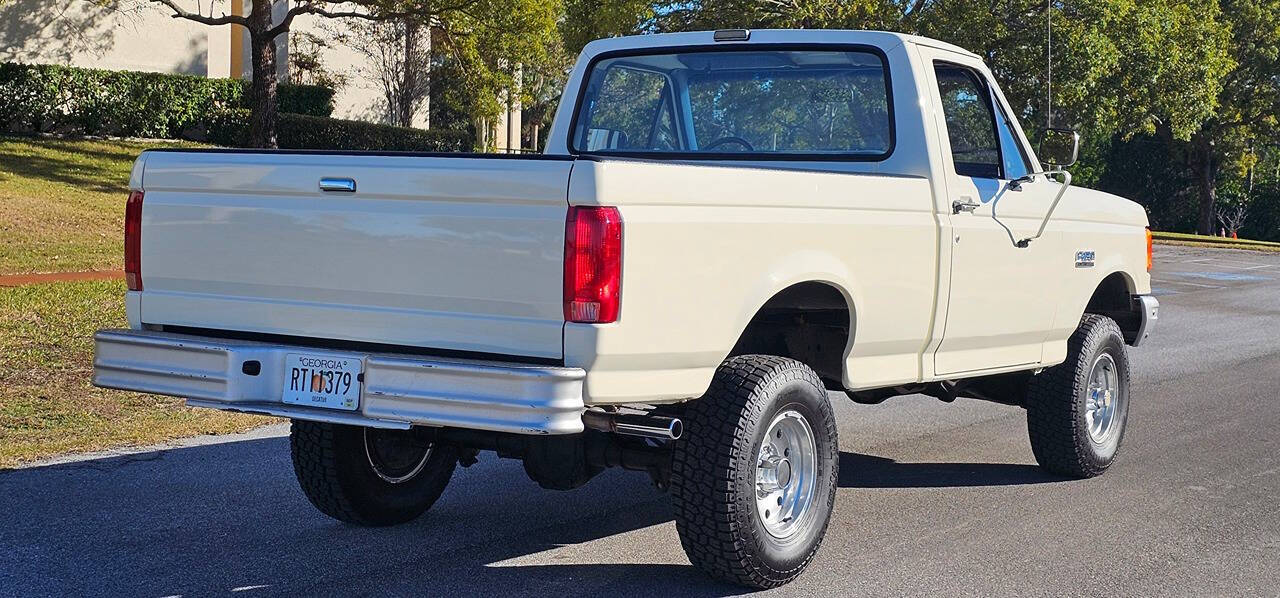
{"x": 641, "y": 425}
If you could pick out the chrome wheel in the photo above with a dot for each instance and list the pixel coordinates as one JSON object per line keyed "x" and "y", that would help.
{"x": 1104, "y": 400}
{"x": 396, "y": 456}
{"x": 786, "y": 471}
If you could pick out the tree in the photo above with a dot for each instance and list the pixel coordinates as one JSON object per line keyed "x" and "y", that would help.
{"x": 263, "y": 31}
{"x": 1246, "y": 108}
{"x": 398, "y": 53}
{"x": 587, "y": 20}
{"x": 491, "y": 50}
{"x": 1189, "y": 71}
{"x": 481, "y": 49}
{"x": 306, "y": 61}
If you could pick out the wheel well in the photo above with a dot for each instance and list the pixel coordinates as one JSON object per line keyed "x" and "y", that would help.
{"x": 808, "y": 322}
{"x": 1113, "y": 299}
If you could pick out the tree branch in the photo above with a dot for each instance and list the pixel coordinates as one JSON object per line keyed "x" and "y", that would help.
{"x": 313, "y": 9}
{"x": 179, "y": 13}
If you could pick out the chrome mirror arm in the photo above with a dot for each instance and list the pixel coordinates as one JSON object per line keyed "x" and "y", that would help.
{"x": 1066, "y": 182}
{"x": 1015, "y": 184}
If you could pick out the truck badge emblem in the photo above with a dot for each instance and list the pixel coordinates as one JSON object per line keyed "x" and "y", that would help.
{"x": 1084, "y": 259}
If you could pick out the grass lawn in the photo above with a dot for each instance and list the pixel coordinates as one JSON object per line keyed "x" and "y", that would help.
{"x": 62, "y": 203}
{"x": 48, "y": 407}
{"x": 1219, "y": 242}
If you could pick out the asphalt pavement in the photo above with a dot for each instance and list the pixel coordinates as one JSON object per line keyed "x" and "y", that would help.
{"x": 934, "y": 498}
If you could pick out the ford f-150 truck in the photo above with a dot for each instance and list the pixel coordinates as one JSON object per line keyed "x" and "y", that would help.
{"x": 724, "y": 228}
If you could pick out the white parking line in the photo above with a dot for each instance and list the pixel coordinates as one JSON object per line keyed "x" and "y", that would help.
{"x": 1235, "y": 264}
{"x": 1194, "y": 284}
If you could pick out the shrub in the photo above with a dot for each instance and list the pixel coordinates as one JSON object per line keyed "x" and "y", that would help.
{"x": 40, "y": 98}
{"x": 297, "y": 131}
{"x": 312, "y": 100}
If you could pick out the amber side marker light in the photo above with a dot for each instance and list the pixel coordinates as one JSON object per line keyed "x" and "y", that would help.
{"x": 133, "y": 241}
{"x": 1148, "y": 249}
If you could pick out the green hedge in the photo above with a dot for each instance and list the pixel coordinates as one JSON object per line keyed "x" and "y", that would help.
{"x": 54, "y": 98}
{"x": 297, "y": 131}
{"x": 309, "y": 100}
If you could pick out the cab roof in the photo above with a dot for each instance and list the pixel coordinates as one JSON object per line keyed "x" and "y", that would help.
{"x": 885, "y": 40}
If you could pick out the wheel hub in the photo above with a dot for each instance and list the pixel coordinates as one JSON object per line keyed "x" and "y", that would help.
{"x": 1104, "y": 400}
{"x": 396, "y": 456}
{"x": 786, "y": 472}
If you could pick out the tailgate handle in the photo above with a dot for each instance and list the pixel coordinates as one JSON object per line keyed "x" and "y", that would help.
{"x": 339, "y": 185}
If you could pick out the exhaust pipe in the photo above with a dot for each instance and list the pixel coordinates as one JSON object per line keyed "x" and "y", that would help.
{"x": 644, "y": 426}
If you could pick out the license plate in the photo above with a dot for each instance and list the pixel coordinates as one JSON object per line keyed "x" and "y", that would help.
{"x": 322, "y": 381}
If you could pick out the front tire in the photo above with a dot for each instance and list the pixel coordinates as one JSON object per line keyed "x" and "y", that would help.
{"x": 368, "y": 476}
{"x": 1077, "y": 411}
{"x": 753, "y": 478}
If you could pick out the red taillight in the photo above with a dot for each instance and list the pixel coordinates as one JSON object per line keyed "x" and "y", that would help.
{"x": 592, "y": 264}
{"x": 133, "y": 241}
{"x": 1149, "y": 251}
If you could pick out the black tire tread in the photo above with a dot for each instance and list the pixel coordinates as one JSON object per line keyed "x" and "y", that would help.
{"x": 310, "y": 445}
{"x": 718, "y": 425}
{"x": 344, "y": 488}
{"x": 1053, "y": 418}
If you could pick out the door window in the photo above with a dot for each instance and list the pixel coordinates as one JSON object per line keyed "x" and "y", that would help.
{"x": 971, "y": 126}
{"x": 1014, "y": 160}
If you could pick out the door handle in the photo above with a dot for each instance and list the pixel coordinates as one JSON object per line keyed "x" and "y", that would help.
{"x": 964, "y": 204}
{"x": 338, "y": 185}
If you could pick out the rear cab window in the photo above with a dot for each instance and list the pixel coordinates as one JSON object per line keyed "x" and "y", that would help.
{"x": 748, "y": 102}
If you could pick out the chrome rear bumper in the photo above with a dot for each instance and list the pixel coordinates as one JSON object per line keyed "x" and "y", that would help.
{"x": 397, "y": 390}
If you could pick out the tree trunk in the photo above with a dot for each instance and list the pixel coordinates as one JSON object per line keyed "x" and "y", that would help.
{"x": 425, "y": 75}
{"x": 265, "y": 114}
{"x": 409, "y": 84}
{"x": 1207, "y": 178}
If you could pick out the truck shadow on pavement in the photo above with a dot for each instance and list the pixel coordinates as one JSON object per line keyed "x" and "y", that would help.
{"x": 211, "y": 519}
{"x": 229, "y": 516}
{"x": 870, "y": 471}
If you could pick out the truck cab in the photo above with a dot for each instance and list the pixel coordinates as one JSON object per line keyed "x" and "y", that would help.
{"x": 724, "y": 228}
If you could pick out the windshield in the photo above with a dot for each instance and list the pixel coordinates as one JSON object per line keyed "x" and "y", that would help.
{"x": 740, "y": 102}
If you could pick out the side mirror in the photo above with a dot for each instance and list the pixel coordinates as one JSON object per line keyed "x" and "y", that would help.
{"x": 1059, "y": 148}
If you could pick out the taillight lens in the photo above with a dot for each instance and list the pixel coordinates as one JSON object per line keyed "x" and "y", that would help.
{"x": 1149, "y": 250}
{"x": 592, "y": 264}
{"x": 133, "y": 241}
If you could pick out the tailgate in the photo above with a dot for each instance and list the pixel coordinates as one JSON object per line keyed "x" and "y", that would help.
{"x": 460, "y": 253}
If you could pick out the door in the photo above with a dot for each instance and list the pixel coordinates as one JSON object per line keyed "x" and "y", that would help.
{"x": 998, "y": 312}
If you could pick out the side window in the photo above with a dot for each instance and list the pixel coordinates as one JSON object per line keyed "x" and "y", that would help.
{"x": 1016, "y": 163}
{"x": 971, "y": 126}
{"x": 631, "y": 111}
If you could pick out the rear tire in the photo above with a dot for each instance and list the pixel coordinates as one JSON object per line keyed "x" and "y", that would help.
{"x": 368, "y": 476}
{"x": 762, "y": 438}
{"x": 1077, "y": 411}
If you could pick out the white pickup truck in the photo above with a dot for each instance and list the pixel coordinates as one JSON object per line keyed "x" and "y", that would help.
{"x": 725, "y": 227}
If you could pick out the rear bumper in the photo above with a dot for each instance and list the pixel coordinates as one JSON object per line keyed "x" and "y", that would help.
{"x": 398, "y": 391}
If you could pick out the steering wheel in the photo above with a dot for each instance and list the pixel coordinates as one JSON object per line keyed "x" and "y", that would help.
{"x": 729, "y": 139}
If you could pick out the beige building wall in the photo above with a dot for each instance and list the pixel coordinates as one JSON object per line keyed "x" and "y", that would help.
{"x": 84, "y": 34}
{"x": 359, "y": 99}
{"x": 143, "y": 38}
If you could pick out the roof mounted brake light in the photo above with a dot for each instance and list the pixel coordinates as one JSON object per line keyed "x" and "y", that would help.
{"x": 732, "y": 35}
